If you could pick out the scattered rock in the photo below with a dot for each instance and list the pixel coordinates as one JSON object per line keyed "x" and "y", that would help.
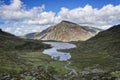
{"x": 6, "y": 77}
{"x": 117, "y": 79}
{"x": 96, "y": 78}
{"x": 107, "y": 78}
{"x": 92, "y": 71}
{"x": 41, "y": 68}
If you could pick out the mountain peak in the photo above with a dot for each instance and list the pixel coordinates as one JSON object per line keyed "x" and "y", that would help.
{"x": 68, "y": 22}
{"x": 64, "y": 21}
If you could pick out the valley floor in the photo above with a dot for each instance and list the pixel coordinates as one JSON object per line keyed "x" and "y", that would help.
{"x": 83, "y": 65}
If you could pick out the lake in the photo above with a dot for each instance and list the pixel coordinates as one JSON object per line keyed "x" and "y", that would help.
{"x": 58, "y": 55}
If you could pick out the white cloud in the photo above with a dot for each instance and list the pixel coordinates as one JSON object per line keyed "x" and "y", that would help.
{"x": 89, "y": 15}
{"x": 43, "y": 18}
{"x": 15, "y": 5}
{"x": 105, "y": 27}
{"x": 39, "y": 19}
{"x": 23, "y": 29}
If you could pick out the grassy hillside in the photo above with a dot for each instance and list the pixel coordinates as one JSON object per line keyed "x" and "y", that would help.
{"x": 95, "y": 59}
{"x": 11, "y": 47}
{"x": 23, "y": 56}
{"x": 100, "y": 52}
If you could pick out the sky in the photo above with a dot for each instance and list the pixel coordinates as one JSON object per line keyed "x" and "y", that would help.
{"x": 20, "y": 17}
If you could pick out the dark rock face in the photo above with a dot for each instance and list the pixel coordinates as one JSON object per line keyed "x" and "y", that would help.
{"x": 0, "y": 30}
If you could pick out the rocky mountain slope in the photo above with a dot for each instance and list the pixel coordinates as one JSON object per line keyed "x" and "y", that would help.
{"x": 65, "y": 31}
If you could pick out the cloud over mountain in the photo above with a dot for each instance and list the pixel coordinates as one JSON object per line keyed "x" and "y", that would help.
{"x": 90, "y": 15}
{"x": 17, "y": 11}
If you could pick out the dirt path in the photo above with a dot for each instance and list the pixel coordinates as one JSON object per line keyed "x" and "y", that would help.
{"x": 72, "y": 72}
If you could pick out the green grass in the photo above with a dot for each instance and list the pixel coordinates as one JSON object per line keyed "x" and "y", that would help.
{"x": 38, "y": 58}
{"x": 27, "y": 61}
{"x": 93, "y": 59}
{"x": 101, "y": 51}
{"x": 20, "y": 55}
{"x": 82, "y": 60}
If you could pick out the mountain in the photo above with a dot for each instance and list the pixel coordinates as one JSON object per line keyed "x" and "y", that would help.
{"x": 108, "y": 39}
{"x": 10, "y": 41}
{"x": 6, "y": 36}
{"x": 65, "y": 31}
{"x": 99, "y": 52}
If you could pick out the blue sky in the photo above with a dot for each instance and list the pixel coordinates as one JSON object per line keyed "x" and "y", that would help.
{"x": 37, "y": 15}
{"x": 55, "y": 5}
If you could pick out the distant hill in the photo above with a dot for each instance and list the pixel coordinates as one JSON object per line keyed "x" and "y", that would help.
{"x": 108, "y": 39}
{"x": 12, "y": 42}
{"x": 6, "y": 36}
{"x": 65, "y": 31}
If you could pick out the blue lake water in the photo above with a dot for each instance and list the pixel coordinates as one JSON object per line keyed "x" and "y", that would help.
{"x": 57, "y": 55}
